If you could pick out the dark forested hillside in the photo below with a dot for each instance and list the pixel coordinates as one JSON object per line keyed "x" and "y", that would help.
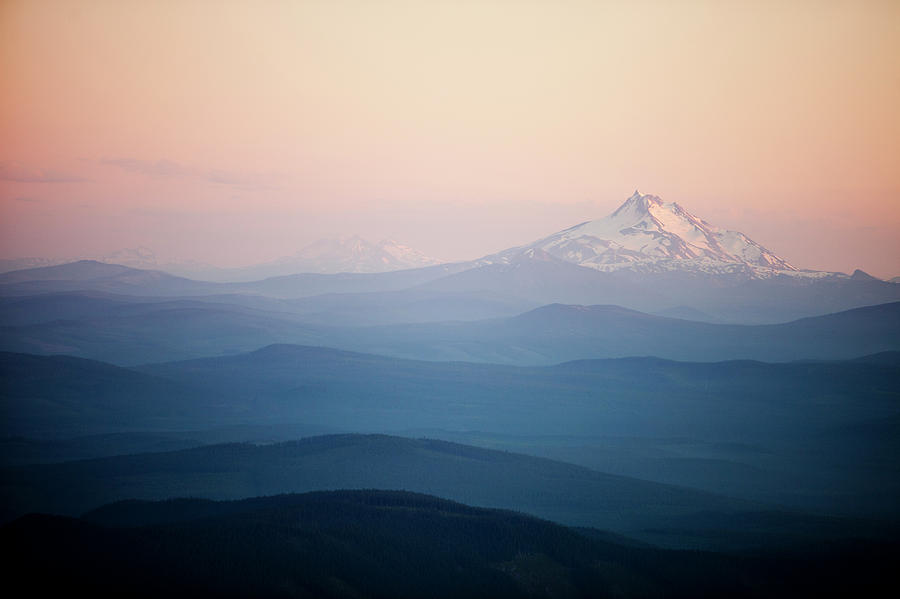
{"x": 550, "y": 489}
{"x": 395, "y": 544}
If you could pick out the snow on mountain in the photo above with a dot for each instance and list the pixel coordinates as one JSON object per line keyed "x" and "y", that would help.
{"x": 648, "y": 235}
{"x": 139, "y": 257}
{"x": 351, "y": 254}
{"x": 355, "y": 254}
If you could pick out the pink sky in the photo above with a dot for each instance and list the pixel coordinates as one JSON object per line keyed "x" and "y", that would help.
{"x": 237, "y": 132}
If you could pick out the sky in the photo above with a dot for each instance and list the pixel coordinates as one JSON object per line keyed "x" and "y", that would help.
{"x": 232, "y": 132}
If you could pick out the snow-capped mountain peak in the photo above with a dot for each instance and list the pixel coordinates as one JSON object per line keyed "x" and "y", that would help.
{"x": 646, "y": 234}
{"x": 355, "y": 254}
{"x": 638, "y": 203}
{"x": 138, "y": 257}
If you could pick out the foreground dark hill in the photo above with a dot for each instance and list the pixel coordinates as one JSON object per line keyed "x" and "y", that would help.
{"x": 555, "y": 490}
{"x": 395, "y": 544}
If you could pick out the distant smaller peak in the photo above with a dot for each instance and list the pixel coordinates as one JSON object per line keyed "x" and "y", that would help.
{"x": 861, "y": 275}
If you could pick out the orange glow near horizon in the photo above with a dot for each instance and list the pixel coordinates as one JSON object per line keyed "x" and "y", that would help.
{"x": 235, "y": 132}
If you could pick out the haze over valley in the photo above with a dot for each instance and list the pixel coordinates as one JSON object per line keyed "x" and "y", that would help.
{"x": 646, "y": 374}
{"x": 437, "y": 299}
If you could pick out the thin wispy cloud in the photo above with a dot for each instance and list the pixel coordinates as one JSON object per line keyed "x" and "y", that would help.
{"x": 13, "y": 171}
{"x": 167, "y": 169}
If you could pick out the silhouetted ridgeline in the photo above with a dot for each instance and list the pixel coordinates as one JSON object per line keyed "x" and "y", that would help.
{"x": 512, "y": 284}
{"x": 662, "y": 514}
{"x": 793, "y": 461}
{"x": 395, "y": 544}
{"x": 738, "y": 401}
{"x": 810, "y": 435}
{"x": 550, "y": 489}
{"x": 130, "y": 316}
{"x": 132, "y": 331}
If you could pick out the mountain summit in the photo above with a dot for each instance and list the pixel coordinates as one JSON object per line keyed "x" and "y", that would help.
{"x": 355, "y": 254}
{"x": 646, "y": 234}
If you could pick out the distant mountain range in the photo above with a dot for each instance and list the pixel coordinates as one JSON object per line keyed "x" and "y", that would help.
{"x": 648, "y": 255}
{"x": 464, "y": 291}
{"x": 11, "y": 264}
{"x": 354, "y": 254}
{"x": 130, "y": 330}
{"x": 645, "y": 235}
{"x": 325, "y": 256}
{"x": 701, "y": 388}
